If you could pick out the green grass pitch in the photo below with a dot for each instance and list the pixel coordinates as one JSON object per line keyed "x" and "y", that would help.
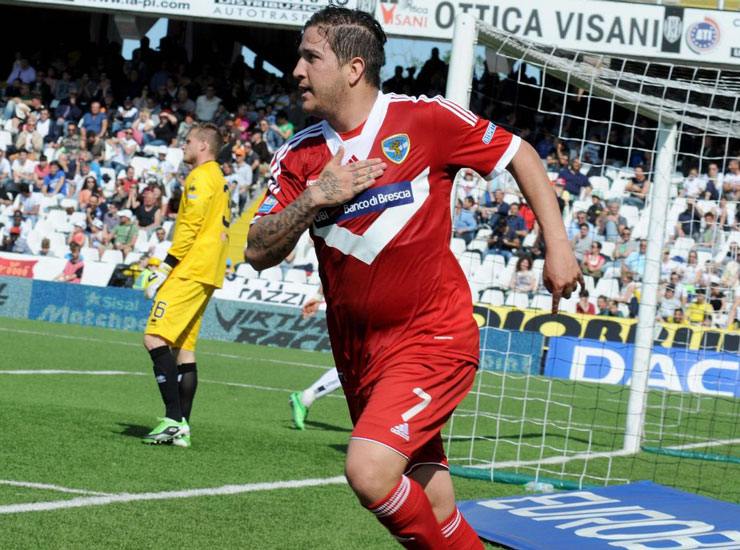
{"x": 82, "y": 432}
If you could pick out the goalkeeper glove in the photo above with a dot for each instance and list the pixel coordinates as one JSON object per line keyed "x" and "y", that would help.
{"x": 156, "y": 279}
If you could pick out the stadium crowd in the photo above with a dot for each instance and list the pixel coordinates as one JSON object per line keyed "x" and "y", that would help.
{"x": 91, "y": 169}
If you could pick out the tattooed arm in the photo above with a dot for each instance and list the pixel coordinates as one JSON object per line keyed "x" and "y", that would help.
{"x": 271, "y": 238}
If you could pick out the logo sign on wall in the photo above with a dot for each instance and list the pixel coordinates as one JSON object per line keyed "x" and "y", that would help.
{"x": 703, "y": 372}
{"x": 672, "y": 29}
{"x": 703, "y": 36}
{"x": 640, "y": 516}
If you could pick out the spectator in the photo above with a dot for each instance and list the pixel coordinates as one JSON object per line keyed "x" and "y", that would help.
{"x": 693, "y": 184}
{"x": 713, "y": 183}
{"x": 583, "y": 306}
{"x": 699, "y": 308}
{"x": 271, "y": 136}
{"x": 575, "y": 225}
{"x": 40, "y": 171}
{"x": 679, "y": 318}
{"x": 668, "y": 304}
{"x": 690, "y": 271}
{"x": 711, "y": 237}
{"x": 125, "y": 233}
{"x": 45, "y": 248}
{"x": 527, "y": 214}
{"x": 464, "y": 225}
{"x": 207, "y": 104}
{"x": 71, "y": 143}
{"x": 123, "y": 149}
{"x": 6, "y": 179}
{"x": 68, "y": 111}
{"x": 733, "y": 317}
{"x": 22, "y": 71}
{"x": 627, "y": 293}
{"x": 93, "y": 128}
{"x": 143, "y": 127}
{"x": 165, "y": 132}
{"x": 98, "y": 237}
{"x": 593, "y": 262}
{"x": 523, "y": 279}
{"x": 284, "y": 127}
{"x": 72, "y": 272}
{"x": 575, "y": 183}
{"x": 29, "y": 139}
{"x": 637, "y": 188}
{"x": 28, "y": 203}
{"x": 689, "y": 221}
{"x": 125, "y": 115}
{"x": 731, "y": 181}
{"x": 613, "y": 309}
{"x": 55, "y": 183}
{"x": 495, "y": 210}
{"x": 596, "y": 209}
{"x": 78, "y": 235}
{"x": 615, "y": 223}
{"x": 22, "y": 169}
{"x": 602, "y": 305}
{"x": 635, "y": 262}
{"x": 581, "y": 243}
{"x": 680, "y": 289}
{"x": 716, "y": 298}
{"x": 146, "y": 211}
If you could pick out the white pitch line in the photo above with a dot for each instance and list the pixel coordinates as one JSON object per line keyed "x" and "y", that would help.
{"x": 131, "y": 344}
{"x": 167, "y": 495}
{"x": 129, "y": 373}
{"x": 715, "y": 443}
{"x": 49, "y": 487}
{"x": 88, "y": 372}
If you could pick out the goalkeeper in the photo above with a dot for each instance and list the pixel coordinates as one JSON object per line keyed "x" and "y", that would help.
{"x": 184, "y": 282}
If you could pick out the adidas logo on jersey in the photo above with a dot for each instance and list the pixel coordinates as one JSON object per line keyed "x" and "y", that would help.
{"x": 401, "y": 430}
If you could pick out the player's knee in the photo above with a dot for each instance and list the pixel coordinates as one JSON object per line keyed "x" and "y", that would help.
{"x": 369, "y": 480}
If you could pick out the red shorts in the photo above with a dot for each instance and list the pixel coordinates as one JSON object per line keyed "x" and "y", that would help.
{"x": 406, "y": 408}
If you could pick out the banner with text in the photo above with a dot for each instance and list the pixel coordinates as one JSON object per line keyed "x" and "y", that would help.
{"x": 283, "y": 13}
{"x": 614, "y": 28}
{"x": 703, "y": 372}
{"x": 609, "y": 329}
{"x": 638, "y": 516}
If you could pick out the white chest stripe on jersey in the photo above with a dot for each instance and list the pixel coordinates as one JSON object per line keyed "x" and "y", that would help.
{"x": 383, "y": 230}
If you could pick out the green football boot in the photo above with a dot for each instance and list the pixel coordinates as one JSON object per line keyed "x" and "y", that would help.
{"x": 166, "y": 431}
{"x": 300, "y": 411}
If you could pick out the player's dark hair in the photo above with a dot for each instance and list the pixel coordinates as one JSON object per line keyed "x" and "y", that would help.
{"x": 209, "y": 132}
{"x": 352, "y": 33}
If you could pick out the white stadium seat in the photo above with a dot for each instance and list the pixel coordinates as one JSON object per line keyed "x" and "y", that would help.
{"x": 112, "y": 257}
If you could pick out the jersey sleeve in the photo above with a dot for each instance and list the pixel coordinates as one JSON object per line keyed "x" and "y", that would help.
{"x": 286, "y": 184}
{"x": 474, "y": 142}
{"x": 196, "y": 197}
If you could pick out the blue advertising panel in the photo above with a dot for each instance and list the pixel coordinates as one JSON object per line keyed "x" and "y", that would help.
{"x": 637, "y": 516}
{"x": 15, "y": 297}
{"x": 108, "y": 307}
{"x": 510, "y": 351}
{"x": 704, "y": 372}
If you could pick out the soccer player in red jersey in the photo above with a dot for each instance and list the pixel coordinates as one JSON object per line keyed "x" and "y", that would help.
{"x": 372, "y": 181}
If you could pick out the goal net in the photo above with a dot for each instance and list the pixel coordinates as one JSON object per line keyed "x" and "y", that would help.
{"x": 641, "y": 378}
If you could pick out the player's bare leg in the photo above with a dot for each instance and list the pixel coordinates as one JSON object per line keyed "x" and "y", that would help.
{"x": 437, "y": 484}
{"x": 375, "y": 473}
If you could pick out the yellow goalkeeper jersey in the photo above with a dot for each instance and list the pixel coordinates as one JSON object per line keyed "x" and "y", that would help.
{"x": 201, "y": 238}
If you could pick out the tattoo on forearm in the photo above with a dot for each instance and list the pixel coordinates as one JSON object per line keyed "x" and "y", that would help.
{"x": 275, "y": 236}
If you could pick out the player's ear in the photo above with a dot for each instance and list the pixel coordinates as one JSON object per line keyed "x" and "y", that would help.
{"x": 356, "y": 70}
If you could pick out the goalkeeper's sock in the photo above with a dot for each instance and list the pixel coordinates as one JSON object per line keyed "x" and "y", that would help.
{"x": 328, "y": 382}
{"x": 459, "y": 534}
{"x": 188, "y": 383}
{"x": 165, "y": 372}
{"x": 407, "y": 513}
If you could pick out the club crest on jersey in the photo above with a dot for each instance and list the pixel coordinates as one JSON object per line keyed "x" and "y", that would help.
{"x": 396, "y": 147}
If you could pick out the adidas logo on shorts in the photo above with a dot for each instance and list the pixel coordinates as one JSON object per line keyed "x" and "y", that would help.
{"x": 401, "y": 430}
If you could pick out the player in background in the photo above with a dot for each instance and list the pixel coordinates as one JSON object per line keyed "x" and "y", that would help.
{"x": 184, "y": 282}
{"x": 399, "y": 309}
{"x": 301, "y": 401}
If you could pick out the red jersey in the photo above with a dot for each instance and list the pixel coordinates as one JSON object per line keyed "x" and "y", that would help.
{"x": 394, "y": 290}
